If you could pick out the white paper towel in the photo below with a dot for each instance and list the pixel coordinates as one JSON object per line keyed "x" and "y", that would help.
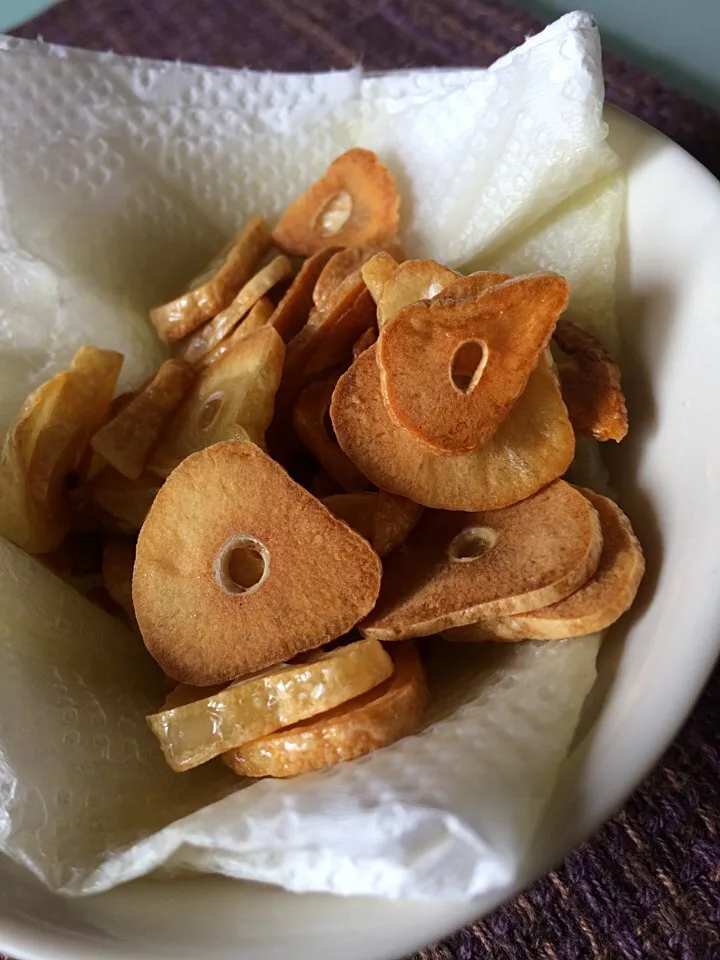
{"x": 118, "y": 179}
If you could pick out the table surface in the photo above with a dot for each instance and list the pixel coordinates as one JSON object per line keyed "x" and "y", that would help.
{"x": 648, "y": 884}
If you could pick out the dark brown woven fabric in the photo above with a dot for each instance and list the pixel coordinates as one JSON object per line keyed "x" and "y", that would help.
{"x": 647, "y": 885}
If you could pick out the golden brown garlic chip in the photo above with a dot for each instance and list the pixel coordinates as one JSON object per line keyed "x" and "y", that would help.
{"x": 595, "y": 606}
{"x": 386, "y": 521}
{"x": 335, "y": 344}
{"x": 216, "y": 288}
{"x": 314, "y": 428}
{"x": 412, "y": 281}
{"x": 458, "y": 568}
{"x": 376, "y": 719}
{"x": 450, "y": 370}
{"x": 121, "y": 505}
{"x": 291, "y": 314}
{"x": 364, "y": 341}
{"x": 533, "y": 446}
{"x": 346, "y": 263}
{"x": 238, "y": 568}
{"x": 356, "y": 203}
{"x": 590, "y": 382}
{"x": 377, "y": 271}
{"x": 127, "y": 441}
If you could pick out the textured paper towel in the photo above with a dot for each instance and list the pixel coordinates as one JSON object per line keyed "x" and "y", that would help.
{"x": 118, "y": 179}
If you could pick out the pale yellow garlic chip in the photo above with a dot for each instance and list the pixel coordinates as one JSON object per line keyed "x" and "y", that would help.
{"x": 45, "y": 446}
{"x": 377, "y": 271}
{"x": 412, "y": 281}
{"x": 196, "y": 732}
{"x": 232, "y": 399}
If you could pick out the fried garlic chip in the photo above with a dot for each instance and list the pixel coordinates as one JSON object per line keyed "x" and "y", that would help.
{"x": 258, "y": 316}
{"x": 46, "y": 444}
{"x": 355, "y": 204}
{"x": 412, "y": 281}
{"x": 590, "y": 383}
{"x": 310, "y": 419}
{"x": 373, "y": 720}
{"x": 346, "y": 263}
{"x": 595, "y": 606}
{"x": 231, "y": 399}
{"x": 533, "y": 446}
{"x": 458, "y": 568}
{"x": 217, "y": 286}
{"x": 238, "y": 567}
{"x": 195, "y": 732}
{"x": 120, "y": 505}
{"x": 386, "y": 521}
{"x": 127, "y": 441}
{"x": 377, "y": 271}
{"x": 209, "y": 336}
{"x": 450, "y": 370}
{"x": 364, "y": 341}
{"x": 291, "y": 314}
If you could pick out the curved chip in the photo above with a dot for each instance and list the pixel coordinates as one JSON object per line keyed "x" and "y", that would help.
{"x": 258, "y": 316}
{"x": 450, "y": 370}
{"x": 364, "y": 341}
{"x": 377, "y": 272}
{"x": 458, "y": 568}
{"x": 217, "y": 286}
{"x": 374, "y": 720}
{"x": 356, "y": 203}
{"x": 533, "y": 446}
{"x": 46, "y": 445}
{"x": 119, "y": 504}
{"x": 209, "y": 336}
{"x": 292, "y": 312}
{"x": 127, "y": 441}
{"x": 386, "y": 521}
{"x": 595, "y": 606}
{"x": 413, "y": 280}
{"x": 590, "y": 383}
{"x": 346, "y": 263}
{"x": 196, "y": 726}
{"x": 471, "y": 286}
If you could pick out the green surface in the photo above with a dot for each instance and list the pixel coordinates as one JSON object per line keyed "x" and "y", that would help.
{"x": 675, "y": 40}
{"x": 15, "y": 12}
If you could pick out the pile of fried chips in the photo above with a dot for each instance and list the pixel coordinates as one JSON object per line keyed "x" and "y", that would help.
{"x": 347, "y": 450}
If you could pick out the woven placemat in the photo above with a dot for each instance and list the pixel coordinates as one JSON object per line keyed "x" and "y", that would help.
{"x": 648, "y": 884}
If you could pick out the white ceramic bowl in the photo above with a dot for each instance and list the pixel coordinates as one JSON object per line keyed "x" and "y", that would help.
{"x": 651, "y": 672}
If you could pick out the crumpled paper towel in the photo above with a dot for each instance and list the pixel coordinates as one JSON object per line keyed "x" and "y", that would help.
{"x": 118, "y": 179}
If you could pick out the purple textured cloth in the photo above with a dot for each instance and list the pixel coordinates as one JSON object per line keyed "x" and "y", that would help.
{"x": 648, "y": 884}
